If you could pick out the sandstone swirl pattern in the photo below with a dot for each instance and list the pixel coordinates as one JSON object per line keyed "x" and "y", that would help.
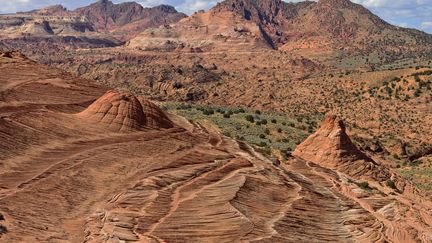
{"x": 89, "y": 178}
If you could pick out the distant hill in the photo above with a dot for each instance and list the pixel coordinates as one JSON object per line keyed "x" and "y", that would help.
{"x": 124, "y": 20}
{"x": 318, "y": 26}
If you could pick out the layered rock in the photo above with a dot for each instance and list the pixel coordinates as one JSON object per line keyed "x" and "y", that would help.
{"x": 328, "y": 24}
{"x": 123, "y": 20}
{"x": 331, "y": 147}
{"x": 107, "y": 16}
{"x": 121, "y": 111}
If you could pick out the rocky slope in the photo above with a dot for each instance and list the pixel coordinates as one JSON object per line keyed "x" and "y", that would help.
{"x": 305, "y": 26}
{"x": 331, "y": 147}
{"x": 67, "y": 175}
{"x": 107, "y": 16}
{"x": 125, "y": 20}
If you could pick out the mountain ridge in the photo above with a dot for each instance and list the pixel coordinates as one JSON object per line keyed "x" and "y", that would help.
{"x": 329, "y": 24}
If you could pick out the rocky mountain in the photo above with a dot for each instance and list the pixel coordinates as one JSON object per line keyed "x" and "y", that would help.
{"x": 54, "y": 10}
{"x": 107, "y": 16}
{"x": 97, "y": 19}
{"x": 320, "y": 26}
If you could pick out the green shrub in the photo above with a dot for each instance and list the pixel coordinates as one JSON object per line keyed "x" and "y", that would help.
{"x": 284, "y": 123}
{"x": 258, "y": 123}
{"x": 258, "y": 112}
{"x": 249, "y": 118}
{"x": 279, "y": 130}
{"x": 267, "y": 131}
{"x": 1, "y": 217}
{"x": 226, "y": 115}
{"x": 264, "y": 121}
{"x": 391, "y": 184}
{"x": 364, "y": 185}
{"x": 262, "y": 136}
{"x": 208, "y": 112}
{"x": 273, "y": 121}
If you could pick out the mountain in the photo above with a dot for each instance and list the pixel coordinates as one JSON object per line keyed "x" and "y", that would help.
{"x": 320, "y": 26}
{"x": 107, "y": 16}
{"x": 97, "y": 19}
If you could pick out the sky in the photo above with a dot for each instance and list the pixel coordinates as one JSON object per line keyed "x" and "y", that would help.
{"x": 406, "y": 13}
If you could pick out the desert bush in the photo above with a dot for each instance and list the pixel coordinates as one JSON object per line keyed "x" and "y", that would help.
{"x": 391, "y": 184}
{"x": 241, "y": 110}
{"x": 274, "y": 121}
{"x": 264, "y": 121}
{"x": 262, "y": 136}
{"x": 258, "y": 112}
{"x": 364, "y": 185}
{"x": 2, "y": 229}
{"x": 249, "y": 118}
{"x": 208, "y": 112}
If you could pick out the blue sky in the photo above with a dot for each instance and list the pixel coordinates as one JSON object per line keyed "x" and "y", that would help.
{"x": 407, "y": 13}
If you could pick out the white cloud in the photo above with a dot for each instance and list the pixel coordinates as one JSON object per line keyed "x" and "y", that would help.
{"x": 426, "y": 25}
{"x": 151, "y": 3}
{"x": 191, "y": 6}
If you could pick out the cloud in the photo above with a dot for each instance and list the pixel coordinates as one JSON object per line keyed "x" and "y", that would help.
{"x": 191, "y": 6}
{"x": 406, "y": 13}
{"x": 151, "y": 3}
{"x": 427, "y": 25}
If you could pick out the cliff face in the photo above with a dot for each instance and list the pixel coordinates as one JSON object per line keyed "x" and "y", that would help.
{"x": 124, "y": 19}
{"x": 107, "y": 16}
{"x": 323, "y": 25}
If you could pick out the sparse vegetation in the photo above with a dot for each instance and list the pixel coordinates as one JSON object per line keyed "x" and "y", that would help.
{"x": 238, "y": 125}
{"x": 3, "y": 229}
{"x": 391, "y": 184}
{"x": 364, "y": 185}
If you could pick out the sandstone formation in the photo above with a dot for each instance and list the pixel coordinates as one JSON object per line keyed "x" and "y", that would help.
{"x": 107, "y": 16}
{"x": 274, "y": 24}
{"x": 65, "y": 178}
{"x": 331, "y": 147}
{"x": 102, "y": 19}
{"x": 121, "y": 111}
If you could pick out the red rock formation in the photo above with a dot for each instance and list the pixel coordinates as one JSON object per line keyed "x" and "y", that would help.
{"x": 328, "y": 24}
{"x": 121, "y": 111}
{"x": 332, "y": 148}
{"x": 107, "y": 16}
